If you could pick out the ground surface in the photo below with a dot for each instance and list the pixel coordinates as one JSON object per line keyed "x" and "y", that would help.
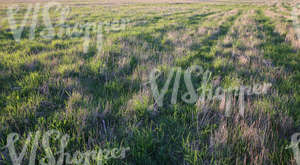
{"x": 102, "y": 99}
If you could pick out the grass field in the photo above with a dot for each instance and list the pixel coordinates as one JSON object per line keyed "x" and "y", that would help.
{"x": 101, "y": 97}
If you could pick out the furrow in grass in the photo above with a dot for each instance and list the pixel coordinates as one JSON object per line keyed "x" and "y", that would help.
{"x": 282, "y": 55}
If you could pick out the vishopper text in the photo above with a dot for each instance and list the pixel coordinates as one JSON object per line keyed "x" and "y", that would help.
{"x": 96, "y": 156}
{"x": 205, "y": 89}
{"x": 59, "y": 29}
{"x": 295, "y": 140}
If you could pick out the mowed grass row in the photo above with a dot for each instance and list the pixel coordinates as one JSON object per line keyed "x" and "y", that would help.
{"x": 102, "y": 99}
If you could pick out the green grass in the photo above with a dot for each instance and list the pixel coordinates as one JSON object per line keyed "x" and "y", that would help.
{"x": 102, "y": 99}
